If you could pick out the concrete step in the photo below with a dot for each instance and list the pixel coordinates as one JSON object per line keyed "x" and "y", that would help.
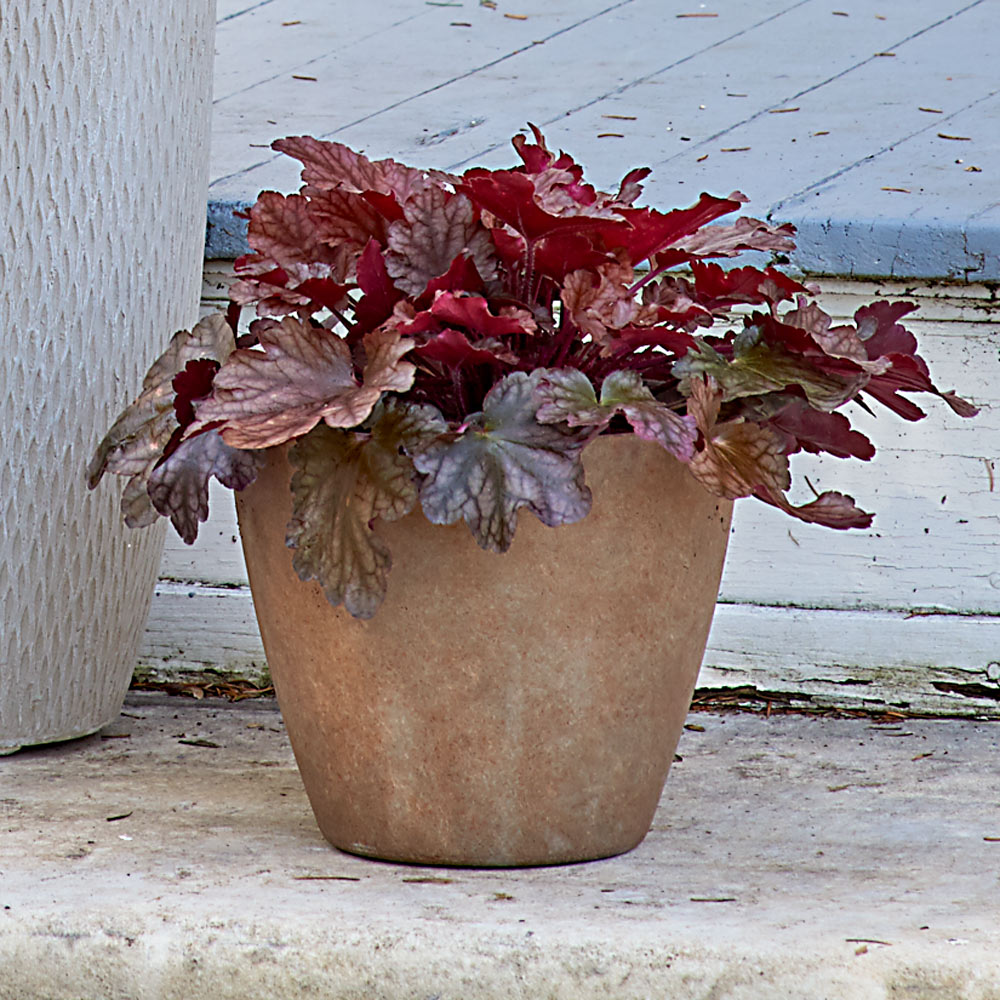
{"x": 175, "y": 856}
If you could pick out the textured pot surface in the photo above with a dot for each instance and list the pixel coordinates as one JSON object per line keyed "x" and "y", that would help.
{"x": 513, "y": 709}
{"x": 103, "y": 176}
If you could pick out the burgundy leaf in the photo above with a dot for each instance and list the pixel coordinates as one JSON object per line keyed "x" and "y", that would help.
{"x": 887, "y": 342}
{"x": 194, "y": 382}
{"x": 511, "y": 197}
{"x": 837, "y": 342}
{"x": 453, "y": 348}
{"x": 504, "y": 460}
{"x": 715, "y": 288}
{"x": 816, "y": 431}
{"x": 472, "y": 312}
{"x": 650, "y": 231}
{"x": 879, "y": 328}
{"x": 461, "y": 276}
{"x": 631, "y": 186}
{"x": 830, "y": 509}
{"x": 380, "y": 294}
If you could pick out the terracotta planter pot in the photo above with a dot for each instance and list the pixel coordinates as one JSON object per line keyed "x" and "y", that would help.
{"x": 498, "y": 710}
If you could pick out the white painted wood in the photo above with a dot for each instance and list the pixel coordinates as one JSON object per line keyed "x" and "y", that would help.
{"x": 199, "y": 629}
{"x": 854, "y": 659}
{"x": 935, "y": 545}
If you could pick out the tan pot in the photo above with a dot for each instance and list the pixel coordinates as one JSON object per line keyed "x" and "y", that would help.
{"x": 498, "y": 710}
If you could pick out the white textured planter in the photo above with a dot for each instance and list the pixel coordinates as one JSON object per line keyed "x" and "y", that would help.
{"x": 104, "y": 138}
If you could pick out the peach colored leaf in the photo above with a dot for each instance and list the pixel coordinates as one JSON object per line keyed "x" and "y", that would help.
{"x": 504, "y": 459}
{"x": 303, "y": 375}
{"x": 330, "y": 165}
{"x": 607, "y": 304}
{"x": 437, "y": 228}
{"x": 831, "y": 509}
{"x": 736, "y": 457}
{"x": 346, "y": 217}
{"x": 284, "y": 229}
{"x": 835, "y": 341}
{"x": 137, "y": 438}
{"x": 342, "y": 483}
{"x": 744, "y": 234}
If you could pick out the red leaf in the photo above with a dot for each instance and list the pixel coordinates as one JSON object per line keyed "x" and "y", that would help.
{"x": 472, "y": 312}
{"x": 462, "y": 276}
{"x": 193, "y": 382}
{"x": 380, "y": 294}
{"x": 511, "y": 197}
{"x": 650, "y": 232}
{"x": 879, "y": 329}
{"x": 715, "y": 288}
{"x": 453, "y": 349}
{"x": 630, "y": 188}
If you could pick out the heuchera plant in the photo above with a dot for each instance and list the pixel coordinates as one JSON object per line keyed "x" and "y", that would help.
{"x": 458, "y": 340}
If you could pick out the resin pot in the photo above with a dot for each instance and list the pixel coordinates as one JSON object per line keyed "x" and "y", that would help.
{"x": 498, "y": 710}
{"x": 104, "y": 130}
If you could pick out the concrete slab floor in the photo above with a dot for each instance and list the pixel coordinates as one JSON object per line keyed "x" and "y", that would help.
{"x": 175, "y": 856}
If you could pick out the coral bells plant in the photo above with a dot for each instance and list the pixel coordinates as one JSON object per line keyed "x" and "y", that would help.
{"x": 454, "y": 342}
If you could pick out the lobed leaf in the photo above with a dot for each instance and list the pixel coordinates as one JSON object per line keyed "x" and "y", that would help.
{"x": 830, "y": 509}
{"x": 178, "y": 486}
{"x": 607, "y": 304}
{"x": 331, "y": 165}
{"x": 814, "y": 430}
{"x": 303, "y": 375}
{"x": 649, "y": 232}
{"x": 437, "y": 228}
{"x": 342, "y": 483}
{"x": 137, "y": 438}
{"x": 885, "y": 340}
{"x": 835, "y": 341}
{"x": 758, "y": 367}
{"x": 567, "y": 395}
{"x": 744, "y": 234}
{"x": 736, "y": 457}
{"x": 502, "y": 460}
